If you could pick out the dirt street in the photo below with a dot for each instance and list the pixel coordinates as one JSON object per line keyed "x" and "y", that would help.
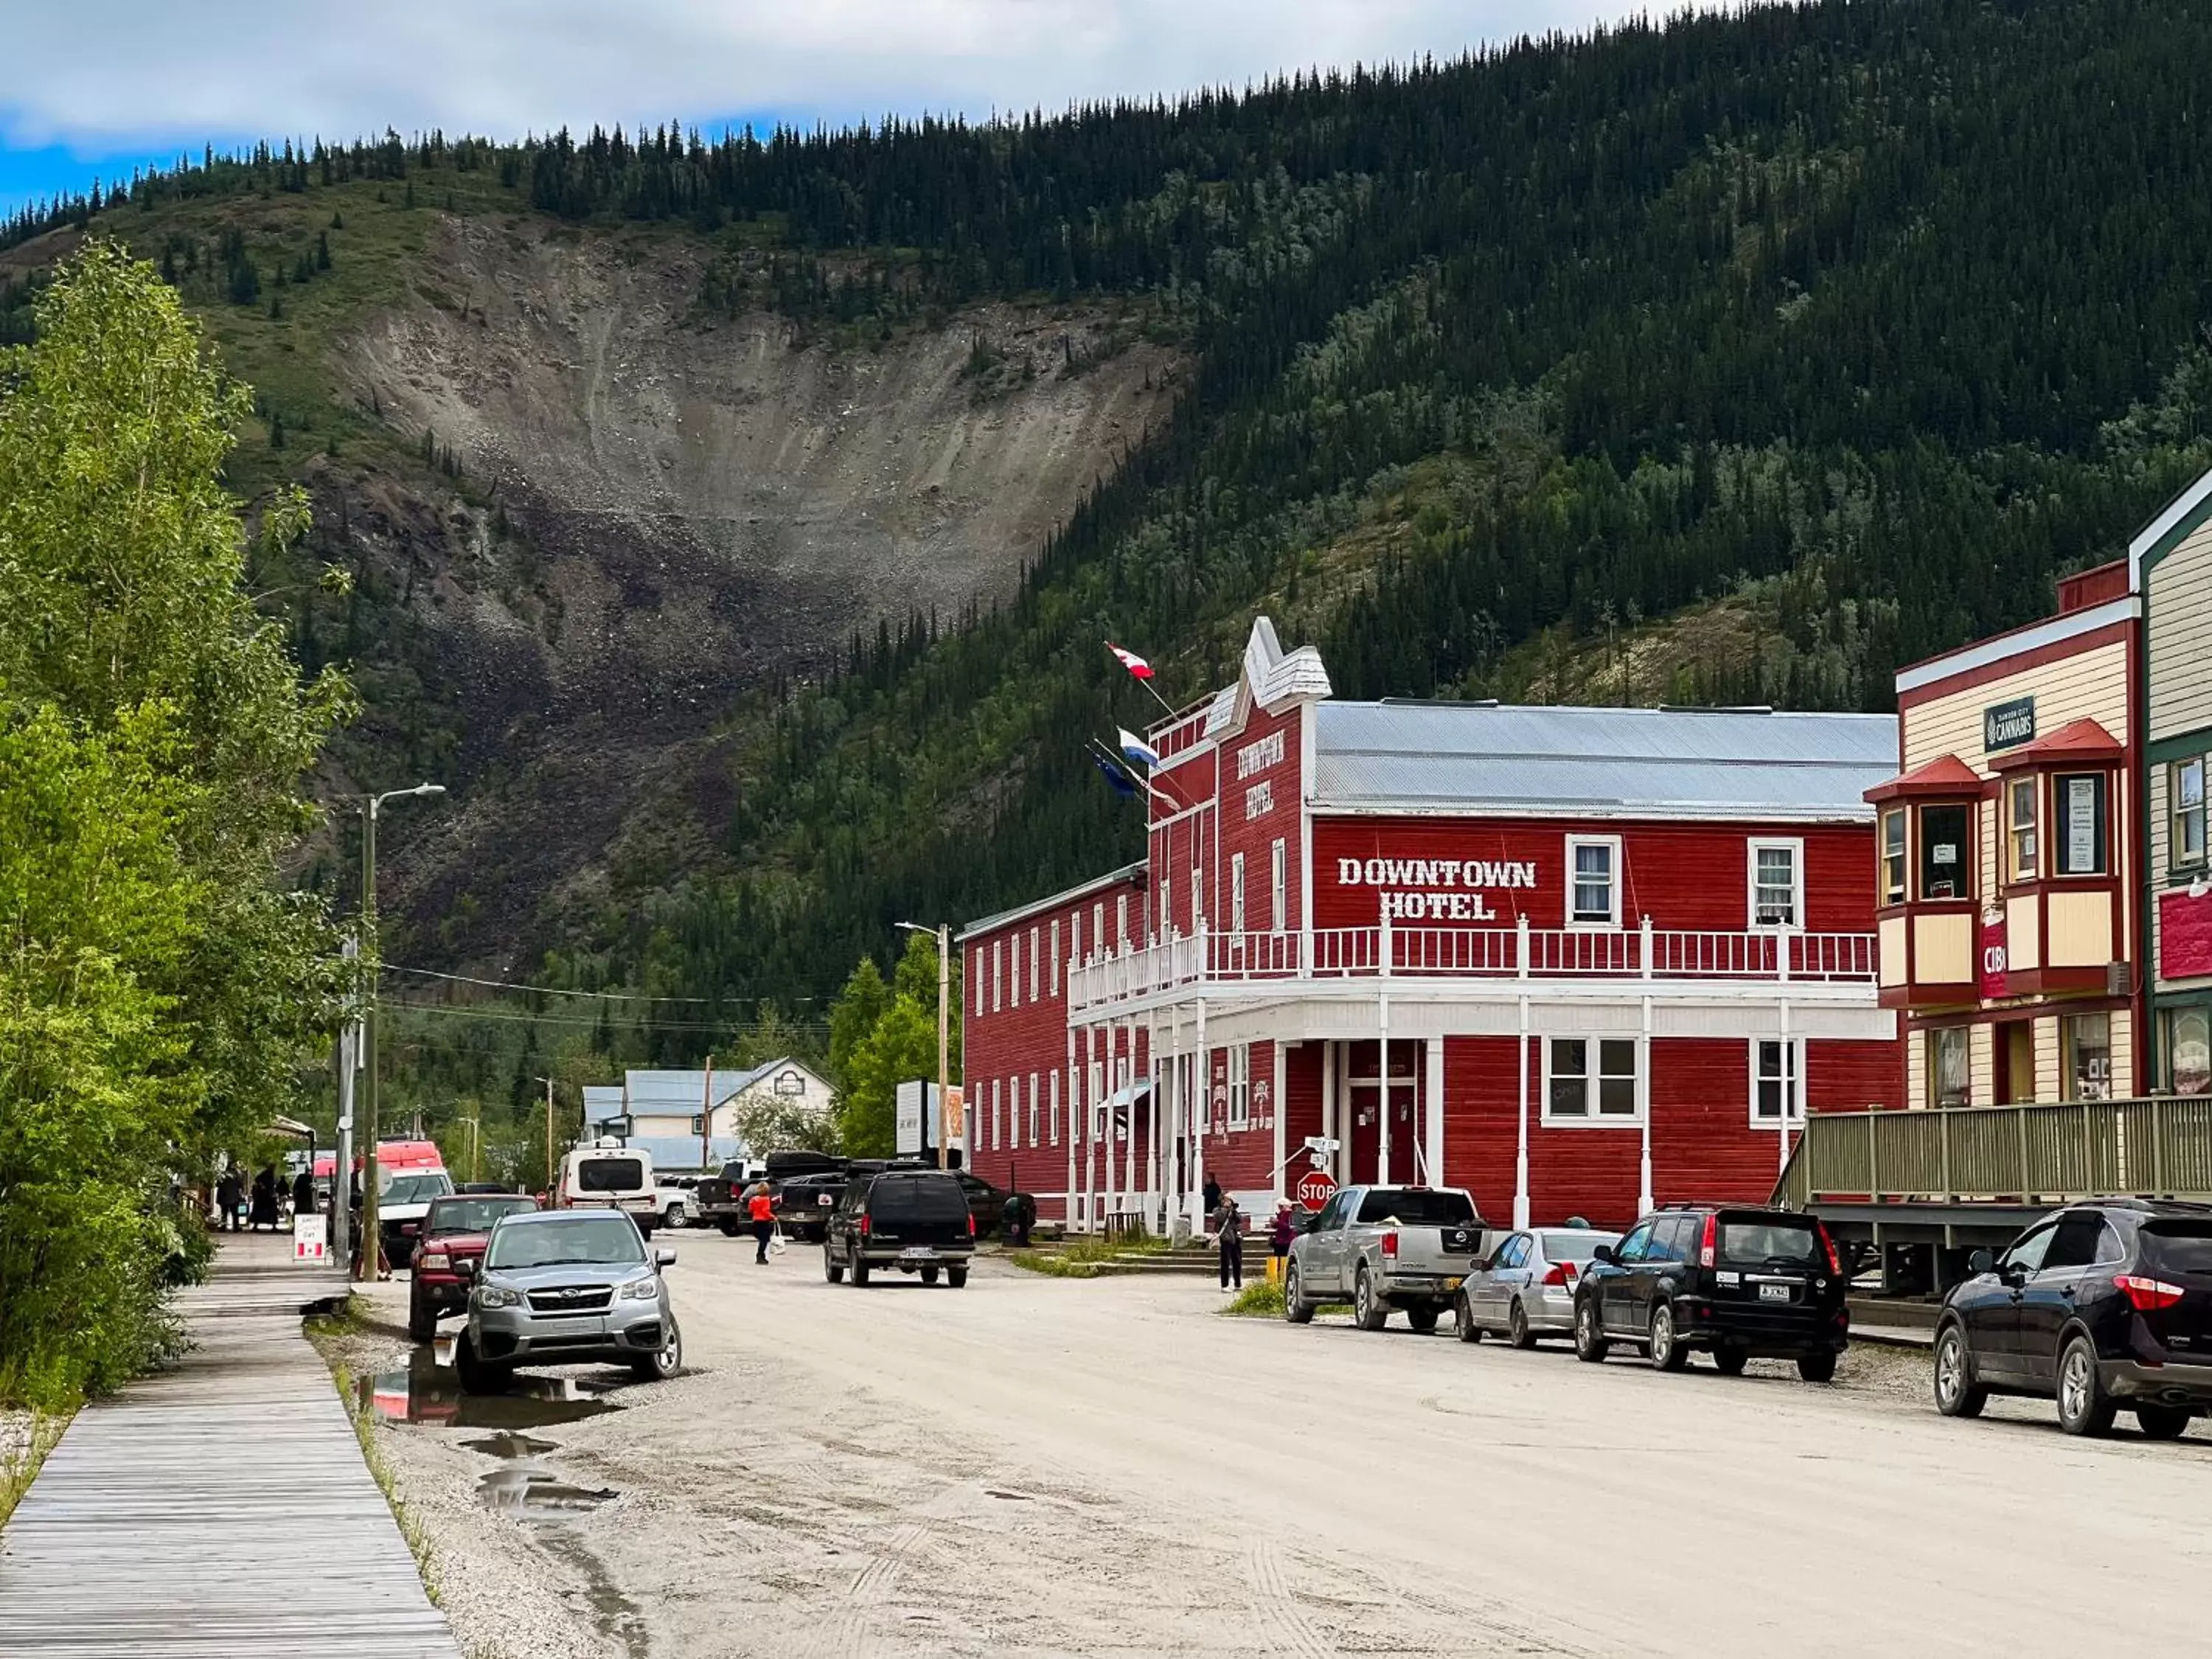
{"x": 1049, "y": 1467}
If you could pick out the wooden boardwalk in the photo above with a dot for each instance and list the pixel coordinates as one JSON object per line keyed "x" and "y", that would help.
{"x": 219, "y": 1509}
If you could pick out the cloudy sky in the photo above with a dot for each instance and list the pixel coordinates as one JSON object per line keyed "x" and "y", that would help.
{"x": 90, "y": 87}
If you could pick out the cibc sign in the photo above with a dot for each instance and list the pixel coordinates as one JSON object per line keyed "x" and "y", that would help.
{"x": 2008, "y": 725}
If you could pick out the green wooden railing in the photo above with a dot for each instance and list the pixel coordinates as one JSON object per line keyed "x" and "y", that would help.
{"x": 2158, "y": 1147}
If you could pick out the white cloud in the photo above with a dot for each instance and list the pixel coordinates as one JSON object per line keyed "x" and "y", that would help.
{"x": 103, "y": 76}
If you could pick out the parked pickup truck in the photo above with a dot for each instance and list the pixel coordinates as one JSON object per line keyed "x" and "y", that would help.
{"x": 1380, "y": 1248}
{"x": 719, "y": 1200}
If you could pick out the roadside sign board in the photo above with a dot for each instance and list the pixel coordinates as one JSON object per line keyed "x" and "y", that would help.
{"x": 1315, "y": 1187}
{"x": 310, "y": 1238}
{"x": 911, "y": 1137}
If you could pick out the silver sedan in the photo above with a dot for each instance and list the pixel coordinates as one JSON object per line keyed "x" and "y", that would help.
{"x": 1527, "y": 1287}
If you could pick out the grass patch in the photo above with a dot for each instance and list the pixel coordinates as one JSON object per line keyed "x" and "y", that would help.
{"x": 1081, "y": 1259}
{"x": 1258, "y": 1300}
{"x": 18, "y": 1474}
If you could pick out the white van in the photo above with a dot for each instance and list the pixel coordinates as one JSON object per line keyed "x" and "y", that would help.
{"x": 607, "y": 1175}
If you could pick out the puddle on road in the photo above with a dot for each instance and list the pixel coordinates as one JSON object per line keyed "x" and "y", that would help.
{"x": 536, "y": 1493}
{"x": 509, "y": 1445}
{"x": 427, "y": 1392}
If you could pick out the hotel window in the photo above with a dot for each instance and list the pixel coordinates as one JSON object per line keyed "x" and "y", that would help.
{"x": 1053, "y": 1117}
{"x": 1279, "y": 882}
{"x": 1014, "y": 978}
{"x": 2188, "y": 1049}
{"x": 1775, "y": 1068}
{"x": 2184, "y": 786}
{"x": 1122, "y": 922}
{"x": 1777, "y": 884}
{"x": 1893, "y": 856}
{"x": 998, "y": 950}
{"x": 1947, "y": 1068}
{"x": 1033, "y": 964}
{"x": 2019, "y": 829}
{"x": 1590, "y": 1079}
{"x": 1055, "y": 955}
{"x": 1075, "y": 935}
{"x": 1098, "y": 928}
{"x": 1240, "y": 1087}
{"x": 1197, "y": 900}
{"x": 1167, "y": 910}
{"x": 1034, "y": 1093}
{"x": 995, "y": 1103}
{"x": 2086, "y": 1057}
{"x": 1097, "y": 1101}
{"x": 1947, "y": 851}
{"x": 1120, "y": 1084}
{"x": 1593, "y": 880}
{"x": 1237, "y": 892}
{"x": 2079, "y": 845}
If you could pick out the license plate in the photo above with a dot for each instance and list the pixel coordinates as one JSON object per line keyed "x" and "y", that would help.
{"x": 823, "y": 1200}
{"x": 585, "y": 1325}
{"x": 1774, "y": 1293}
{"x": 917, "y": 1253}
{"x": 1454, "y": 1283}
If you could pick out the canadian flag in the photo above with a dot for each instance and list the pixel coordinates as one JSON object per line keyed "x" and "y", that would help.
{"x": 1129, "y": 660}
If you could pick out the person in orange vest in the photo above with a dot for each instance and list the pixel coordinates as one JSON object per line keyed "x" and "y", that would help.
{"x": 761, "y": 1208}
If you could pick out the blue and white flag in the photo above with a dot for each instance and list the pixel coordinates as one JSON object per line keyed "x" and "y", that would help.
{"x": 1136, "y": 749}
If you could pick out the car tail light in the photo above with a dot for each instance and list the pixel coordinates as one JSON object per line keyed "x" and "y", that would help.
{"x": 2148, "y": 1295}
{"x": 864, "y": 1223}
{"x": 1389, "y": 1247}
{"x": 1708, "y": 1249}
{"x": 1835, "y": 1261}
{"x": 1563, "y": 1272}
{"x": 971, "y": 1224}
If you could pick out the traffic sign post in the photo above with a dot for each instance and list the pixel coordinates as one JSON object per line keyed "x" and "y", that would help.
{"x": 1315, "y": 1188}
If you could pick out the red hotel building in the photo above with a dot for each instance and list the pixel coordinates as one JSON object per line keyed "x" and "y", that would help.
{"x": 1576, "y": 960}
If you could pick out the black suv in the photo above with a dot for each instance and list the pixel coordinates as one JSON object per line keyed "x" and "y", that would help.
{"x": 914, "y": 1220}
{"x": 1744, "y": 1284}
{"x": 2103, "y": 1304}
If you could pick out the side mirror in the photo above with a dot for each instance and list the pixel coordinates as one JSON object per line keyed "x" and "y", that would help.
{"x": 664, "y": 1258}
{"x": 466, "y": 1266}
{"x": 1603, "y": 1253}
{"x": 1981, "y": 1262}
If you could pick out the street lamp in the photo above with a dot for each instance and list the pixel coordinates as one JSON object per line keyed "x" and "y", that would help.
{"x": 943, "y": 1032}
{"x": 370, "y": 1242}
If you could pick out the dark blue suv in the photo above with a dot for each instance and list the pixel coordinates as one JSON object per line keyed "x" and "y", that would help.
{"x": 2104, "y": 1305}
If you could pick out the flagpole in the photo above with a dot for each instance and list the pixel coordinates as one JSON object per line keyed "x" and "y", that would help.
{"x": 1146, "y": 681}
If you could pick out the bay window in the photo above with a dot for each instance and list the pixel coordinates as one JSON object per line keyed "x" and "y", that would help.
{"x": 2021, "y": 822}
{"x": 2079, "y": 845}
{"x": 1892, "y": 856}
{"x": 1947, "y": 851}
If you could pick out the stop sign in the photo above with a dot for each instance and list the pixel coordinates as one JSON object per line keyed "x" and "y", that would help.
{"x": 1315, "y": 1187}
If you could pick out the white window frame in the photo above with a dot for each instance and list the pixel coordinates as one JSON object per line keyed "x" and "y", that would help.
{"x": 1014, "y": 970}
{"x": 1594, "y": 1055}
{"x": 1235, "y": 893}
{"x": 1055, "y": 1115}
{"x": 2176, "y": 813}
{"x": 1887, "y": 893}
{"x": 1097, "y": 1102}
{"x": 1121, "y": 1082}
{"x": 1167, "y": 909}
{"x": 1033, "y": 964}
{"x": 998, "y": 961}
{"x": 1035, "y": 1094}
{"x": 1792, "y": 1055}
{"x": 1793, "y": 845}
{"x": 1611, "y": 923}
{"x": 1098, "y": 928}
{"x": 1120, "y": 921}
{"x": 1278, "y": 884}
{"x": 1075, "y": 935}
{"x": 997, "y": 1101}
{"x": 1240, "y": 1086}
{"x": 1055, "y": 955}
{"x": 1197, "y": 899}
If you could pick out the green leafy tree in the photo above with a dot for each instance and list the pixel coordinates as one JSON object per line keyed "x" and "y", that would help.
{"x": 901, "y": 1048}
{"x": 854, "y": 1016}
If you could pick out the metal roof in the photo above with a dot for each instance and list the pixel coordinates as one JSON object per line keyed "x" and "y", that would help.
{"x": 1066, "y": 895}
{"x": 1475, "y": 758}
{"x": 667, "y": 1093}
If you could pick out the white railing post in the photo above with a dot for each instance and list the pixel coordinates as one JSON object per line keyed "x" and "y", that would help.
{"x": 1646, "y": 946}
{"x": 1382, "y": 967}
{"x": 1521, "y": 946}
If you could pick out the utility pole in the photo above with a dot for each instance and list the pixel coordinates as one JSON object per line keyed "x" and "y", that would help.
{"x": 548, "y": 1082}
{"x": 348, "y": 1063}
{"x": 943, "y": 1040}
{"x": 706, "y": 1113}
{"x": 371, "y": 1252}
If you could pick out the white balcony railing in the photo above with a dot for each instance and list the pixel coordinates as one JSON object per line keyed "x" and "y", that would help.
{"x": 1520, "y": 952}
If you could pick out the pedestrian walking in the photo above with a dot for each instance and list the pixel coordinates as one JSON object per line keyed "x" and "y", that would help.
{"x": 1230, "y": 1235}
{"x": 1212, "y": 1194}
{"x": 761, "y": 1208}
{"x": 264, "y": 1201}
{"x": 227, "y": 1194}
{"x": 1280, "y": 1232}
{"x": 303, "y": 1194}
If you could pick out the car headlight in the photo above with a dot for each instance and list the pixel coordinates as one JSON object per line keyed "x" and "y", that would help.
{"x": 494, "y": 1296}
{"x": 641, "y": 1290}
{"x": 436, "y": 1260}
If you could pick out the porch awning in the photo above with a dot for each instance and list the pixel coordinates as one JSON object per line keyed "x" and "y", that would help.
{"x": 1128, "y": 1094}
{"x": 1945, "y": 775}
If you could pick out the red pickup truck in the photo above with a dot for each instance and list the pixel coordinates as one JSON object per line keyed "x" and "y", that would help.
{"x": 455, "y": 1229}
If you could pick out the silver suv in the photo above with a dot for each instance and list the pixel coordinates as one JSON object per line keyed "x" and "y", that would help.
{"x": 569, "y": 1287}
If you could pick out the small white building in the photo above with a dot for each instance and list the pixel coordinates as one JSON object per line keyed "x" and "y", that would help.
{"x": 664, "y": 1107}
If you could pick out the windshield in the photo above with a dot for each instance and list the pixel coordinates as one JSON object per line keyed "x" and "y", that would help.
{"x": 2181, "y": 1247}
{"x": 1576, "y": 1246}
{"x": 473, "y": 1215}
{"x": 917, "y": 1198}
{"x": 1417, "y": 1207}
{"x": 415, "y": 1188}
{"x": 608, "y": 1238}
{"x": 1770, "y": 1241}
{"x": 610, "y": 1175}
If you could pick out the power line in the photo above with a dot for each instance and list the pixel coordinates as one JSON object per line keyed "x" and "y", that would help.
{"x": 464, "y": 1012}
{"x": 557, "y": 991}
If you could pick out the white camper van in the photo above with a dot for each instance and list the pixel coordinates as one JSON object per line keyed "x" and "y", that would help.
{"x": 607, "y": 1175}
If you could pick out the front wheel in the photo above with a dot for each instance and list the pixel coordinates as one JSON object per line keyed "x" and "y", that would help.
{"x": 1730, "y": 1362}
{"x": 1818, "y": 1366}
{"x": 1463, "y": 1313}
{"x": 1296, "y": 1309}
{"x": 1369, "y": 1311}
{"x": 1591, "y": 1346}
{"x": 422, "y": 1318}
{"x": 2084, "y": 1408}
{"x": 1957, "y": 1393}
{"x": 2161, "y": 1422}
{"x": 479, "y": 1376}
{"x": 1667, "y": 1353}
{"x": 1516, "y": 1326}
{"x": 664, "y": 1362}
{"x": 1423, "y": 1318}
{"x": 830, "y": 1270}
{"x": 956, "y": 1276}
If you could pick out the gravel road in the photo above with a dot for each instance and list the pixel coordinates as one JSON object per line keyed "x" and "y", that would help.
{"x": 1047, "y": 1467}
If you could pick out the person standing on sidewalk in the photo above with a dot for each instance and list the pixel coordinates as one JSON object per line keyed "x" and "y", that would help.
{"x": 1229, "y": 1234}
{"x": 761, "y": 1208}
{"x": 1280, "y": 1232}
{"x": 227, "y": 1192}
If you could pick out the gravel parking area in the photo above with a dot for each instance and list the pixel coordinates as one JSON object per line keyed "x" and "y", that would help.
{"x": 1040, "y": 1466}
